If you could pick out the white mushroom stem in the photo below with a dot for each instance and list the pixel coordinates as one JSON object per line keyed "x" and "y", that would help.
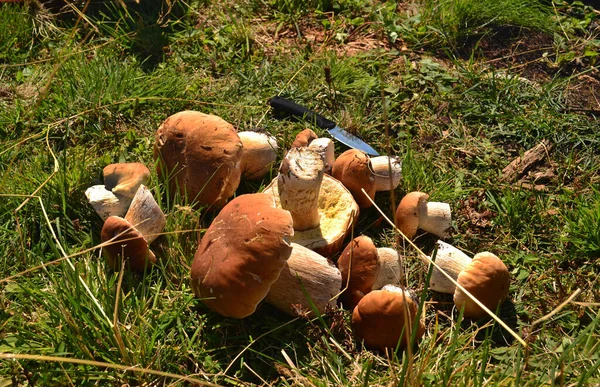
{"x": 145, "y": 215}
{"x": 387, "y": 171}
{"x": 258, "y": 155}
{"x": 436, "y": 218}
{"x": 452, "y": 261}
{"x": 106, "y": 203}
{"x": 307, "y": 279}
{"x": 391, "y": 268}
{"x": 324, "y": 146}
{"x": 298, "y": 183}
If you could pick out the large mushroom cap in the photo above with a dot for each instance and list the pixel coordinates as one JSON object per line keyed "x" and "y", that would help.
{"x": 125, "y": 178}
{"x": 353, "y": 169}
{"x": 199, "y": 154}
{"x": 487, "y": 279}
{"x": 408, "y": 213}
{"x": 338, "y": 211}
{"x": 242, "y": 254}
{"x": 380, "y": 319}
{"x": 359, "y": 266}
{"x": 129, "y": 243}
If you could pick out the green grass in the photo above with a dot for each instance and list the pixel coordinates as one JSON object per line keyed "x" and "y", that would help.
{"x": 76, "y": 96}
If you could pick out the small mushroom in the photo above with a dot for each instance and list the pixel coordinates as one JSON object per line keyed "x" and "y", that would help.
{"x": 258, "y": 155}
{"x": 199, "y": 156}
{"x": 353, "y": 169}
{"x": 414, "y": 212}
{"x": 336, "y": 208}
{"x": 144, "y": 220}
{"x": 384, "y": 319}
{"x": 125, "y": 178}
{"x": 485, "y": 276}
{"x": 241, "y": 255}
{"x": 308, "y": 279}
{"x": 304, "y": 138}
{"x": 365, "y": 268}
{"x": 387, "y": 171}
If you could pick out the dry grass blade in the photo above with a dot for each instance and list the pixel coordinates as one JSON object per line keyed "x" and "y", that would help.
{"x": 23, "y": 356}
{"x": 557, "y": 309}
{"x": 424, "y": 257}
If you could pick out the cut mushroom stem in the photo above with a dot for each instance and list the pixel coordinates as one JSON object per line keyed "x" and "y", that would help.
{"x": 436, "y": 218}
{"x": 298, "y": 183}
{"x": 106, "y": 203}
{"x": 391, "y": 268}
{"x": 324, "y": 146}
{"x": 452, "y": 261}
{"x": 258, "y": 155}
{"x": 387, "y": 171}
{"x": 145, "y": 214}
{"x": 308, "y": 280}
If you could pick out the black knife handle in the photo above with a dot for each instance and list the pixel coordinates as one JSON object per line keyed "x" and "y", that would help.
{"x": 281, "y": 104}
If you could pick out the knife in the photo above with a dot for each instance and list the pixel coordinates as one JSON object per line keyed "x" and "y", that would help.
{"x": 280, "y": 104}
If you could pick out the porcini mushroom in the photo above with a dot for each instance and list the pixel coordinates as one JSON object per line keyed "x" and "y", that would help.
{"x": 365, "y": 268}
{"x": 304, "y": 138}
{"x": 106, "y": 203}
{"x": 125, "y": 178}
{"x": 307, "y": 279}
{"x": 416, "y": 212}
{"x": 485, "y": 276}
{"x": 258, "y": 155}
{"x": 353, "y": 169}
{"x": 384, "y": 319}
{"x": 241, "y": 255}
{"x": 199, "y": 155}
{"x": 142, "y": 224}
{"x": 336, "y": 208}
{"x": 387, "y": 171}
{"x": 324, "y": 147}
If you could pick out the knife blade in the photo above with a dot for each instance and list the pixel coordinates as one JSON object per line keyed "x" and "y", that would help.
{"x": 280, "y": 104}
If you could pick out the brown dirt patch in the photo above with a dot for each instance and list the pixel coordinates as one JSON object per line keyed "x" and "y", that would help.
{"x": 583, "y": 94}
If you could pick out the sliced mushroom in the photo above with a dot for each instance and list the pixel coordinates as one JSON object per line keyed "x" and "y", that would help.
{"x": 387, "y": 171}
{"x": 308, "y": 280}
{"x": 106, "y": 203}
{"x": 325, "y": 148}
{"x": 145, "y": 214}
{"x": 416, "y": 212}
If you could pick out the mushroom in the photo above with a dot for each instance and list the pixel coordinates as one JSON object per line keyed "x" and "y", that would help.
{"x": 326, "y": 220}
{"x": 353, "y": 169}
{"x": 414, "y": 212}
{"x": 199, "y": 155}
{"x": 365, "y": 268}
{"x": 485, "y": 276}
{"x": 387, "y": 171}
{"x": 298, "y": 183}
{"x": 125, "y": 178}
{"x": 308, "y": 279}
{"x": 142, "y": 224}
{"x": 325, "y": 148}
{"x": 304, "y": 138}
{"x": 241, "y": 255}
{"x": 384, "y": 319}
{"x": 258, "y": 155}
{"x": 121, "y": 182}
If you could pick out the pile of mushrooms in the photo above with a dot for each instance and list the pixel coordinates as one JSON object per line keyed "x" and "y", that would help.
{"x": 275, "y": 246}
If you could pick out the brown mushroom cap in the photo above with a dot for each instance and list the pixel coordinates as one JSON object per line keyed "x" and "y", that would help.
{"x": 304, "y": 138}
{"x": 338, "y": 212}
{"x": 200, "y": 155}
{"x": 487, "y": 279}
{"x": 353, "y": 169}
{"x": 242, "y": 254}
{"x": 125, "y": 178}
{"x": 379, "y": 319}
{"x": 129, "y": 242}
{"x": 408, "y": 212}
{"x": 359, "y": 266}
